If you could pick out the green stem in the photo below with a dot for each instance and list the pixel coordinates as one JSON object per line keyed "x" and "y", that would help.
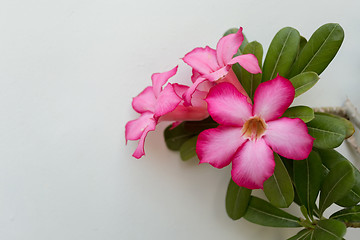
{"x": 353, "y": 224}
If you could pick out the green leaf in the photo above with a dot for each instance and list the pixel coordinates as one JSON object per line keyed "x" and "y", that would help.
{"x": 231, "y": 31}
{"x": 307, "y": 180}
{"x": 281, "y": 54}
{"x": 329, "y": 229}
{"x": 251, "y": 81}
{"x": 302, "y": 235}
{"x": 336, "y": 184}
{"x": 303, "y": 112}
{"x": 302, "y": 44}
{"x": 330, "y": 158}
{"x": 303, "y": 82}
{"x": 237, "y": 200}
{"x": 278, "y": 188}
{"x": 327, "y": 130}
{"x": 263, "y": 213}
{"x": 319, "y": 50}
{"x": 176, "y": 137}
{"x": 348, "y": 215}
{"x": 349, "y": 127}
{"x": 188, "y": 149}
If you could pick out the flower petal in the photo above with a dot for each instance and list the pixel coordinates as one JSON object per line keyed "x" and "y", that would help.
{"x": 135, "y": 128}
{"x": 139, "y": 151}
{"x": 191, "y": 90}
{"x": 218, "y": 74}
{"x": 253, "y": 163}
{"x": 145, "y": 101}
{"x": 166, "y": 101}
{"x": 272, "y": 98}
{"x": 202, "y": 60}
{"x": 189, "y": 113}
{"x": 231, "y": 78}
{"x": 228, "y": 106}
{"x": 247, "y": 61}
{"x": 218, "y": 145}
{"x": 289, "y": 138}
{"x": 159, "y": 79}
{"x": 228, "y": 46}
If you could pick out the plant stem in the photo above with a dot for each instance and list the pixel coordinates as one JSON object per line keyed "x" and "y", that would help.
{"x": 352, "y": 224}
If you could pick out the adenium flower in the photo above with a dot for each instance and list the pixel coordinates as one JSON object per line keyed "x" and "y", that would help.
{"x": 248, "y": 134}
{"x": 213, "y": 65}
{"x": 157, "y": 103}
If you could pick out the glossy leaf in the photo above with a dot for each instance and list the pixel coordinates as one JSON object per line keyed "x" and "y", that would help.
{"x": 251, "y": 81}
{"x": 307, "y": 180}
{"x": 347, "y": 215}
{"x": 237, "y": 200}
{"x": 329, "y": 229}
{"x": 330, "y": 158}
{"x": 303, "y": 82}
{"x": 176, "y": 137}
{"x": 188, "y": 149}
{"x": 336, "y": 184}
{"x": 302, "y": 235}
{"x": 281, "y": 54}
{"x": 349, "y": 127}
{"x": 319, "y": 50}
{"x": 327, "y": 130}
{"x": 303, "y": 112}
{"x": 278, "y": 188}
{"x": 263, "y": 213}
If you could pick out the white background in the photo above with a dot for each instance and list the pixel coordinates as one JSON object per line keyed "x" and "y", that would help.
{"x": 68, "y": 72}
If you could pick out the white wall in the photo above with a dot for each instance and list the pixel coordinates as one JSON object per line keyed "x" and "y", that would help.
{"x": 68, "y": 72}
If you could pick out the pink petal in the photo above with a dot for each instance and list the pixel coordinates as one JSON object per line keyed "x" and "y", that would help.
{"x": 231, "y": 78}
{"x": 272, "y": 98}
{"x": 145, "y": 101}
{"x": 182, "y": 113}
{"x": 190, "y": 91}
{"x": 218, "y": 74}
{"x": 289, "y": 138}
{"x": 139, "y": 151}
{"x": 247, "y": 61}
{"x": 195, "y": 75}
{"x": 135, "y": 128}
{"x": 167, "y": 101}
{"x": 202, "y": 60}
{"x": 253, "y": 163}
{"x": 228, "y": 46}
{"x": 217, "y": 146}
{"x": 228, "y": 106}
{"x": 159, "y": 79}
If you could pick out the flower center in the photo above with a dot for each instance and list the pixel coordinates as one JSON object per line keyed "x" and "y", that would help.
{"x": 254, "y": 128}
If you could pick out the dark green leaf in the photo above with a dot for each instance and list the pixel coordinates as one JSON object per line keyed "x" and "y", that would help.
{"x": 188, "y": 149}
{"x": 303, "y": 112}
{"x": 329, "y": 229}
{"x": 251, "y": 81}
{"x": 303, "y": 82}
{"x": 336, "y": 184}
{"x": 263, "y": 213}
{"x": 307, "y": 180}
{"x": 302, "y": 44}
{"x": 327, "y": 130}
{"x": 237, "y": 200}
{"x": 176, "y": 137}
{"x": 348, "y": 215}
{"x": 302, "y": 235}
{"x": 349, "y": 127}
{"x": 330, "y": 158}
{"x": 278, "y": 188}
{"x": 281, "y": 54}
{"x": 319, "y": 50}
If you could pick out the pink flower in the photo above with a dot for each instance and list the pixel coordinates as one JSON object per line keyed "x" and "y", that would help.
{"x": 157, "y": 103}
{"x": 212, "y": 65}
{"x": 248, "y": 134}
